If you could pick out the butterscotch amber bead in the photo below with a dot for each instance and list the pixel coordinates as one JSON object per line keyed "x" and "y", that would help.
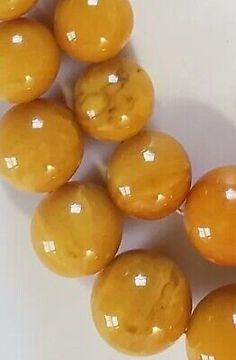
{"x": 40, "y": 146}
{"x": 141, "y": 303}
{"x": 12, "y": 9}
{"x": 114, "y": 99}
{"x": 29, "y": 60}
{"x": 77, "y": 230}
{"x": 212, "y": 331}
{"x": 93, "y": 30}
{"x": 210, "y": 216}
{"x": 149, "y": 175}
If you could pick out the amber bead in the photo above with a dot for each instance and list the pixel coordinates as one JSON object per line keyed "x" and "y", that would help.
{"x": 13, "y": 9}
{"x": 77, "y": 230}
{"x": 149, "y": 175}
{"x": 93, "y": 30}
{"x": 212, "y": 330}
{"x": 114, "y": 99}
{"x": 40, "y": 146}
{"x": 29, "y": 60}
{"x": 210, "y": 215}
{"x": 141, "y": 303}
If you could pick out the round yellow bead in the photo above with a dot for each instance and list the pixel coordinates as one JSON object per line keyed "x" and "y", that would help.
{"x": 210, "y": 215}
{"x": 77, "y": 230}
{"x": 141, "y": 303}
{"x": 29, "y": 60}
{"x": 212, "y": 331}
{"x": 14, "y": 8}
{"x": 40, "y": 146}
{"x": 93, "y": 30}
{"x": 114, "y": 99}
{"x": 149, "y": 175}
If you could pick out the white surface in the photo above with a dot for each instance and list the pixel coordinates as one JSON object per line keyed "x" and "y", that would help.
{"x": 189, "y": 49}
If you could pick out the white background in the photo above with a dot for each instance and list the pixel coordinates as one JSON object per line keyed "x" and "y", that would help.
{"x": 189, "y": 49}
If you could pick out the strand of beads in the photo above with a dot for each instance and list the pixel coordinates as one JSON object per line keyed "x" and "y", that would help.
{"x": 141, "y": 301}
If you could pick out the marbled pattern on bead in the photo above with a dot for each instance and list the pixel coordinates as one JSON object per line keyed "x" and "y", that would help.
{"x": 114, "y": 100}
{"x": 210, "y": 216}
{"x": 93, "y": 31}
{"x": 40, "y": 146}
{"x": 149, "y": 175}
{"x": 77, "y": 230}
{"x": 141, "y": 303}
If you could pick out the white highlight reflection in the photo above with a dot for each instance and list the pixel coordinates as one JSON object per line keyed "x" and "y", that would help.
{"x": 75, "y": 208}
{"x": 71, "y": 36}
{"x": 204, "y": 232}
{"x": 103, "y": 41}
{"x": 231, "y": 194}
{"x": 93, "y": 2}
{"x": 50, "y": 168}
{"x": 207, "y": 357}
{"x": 49, "y": 246}
{"x": 149, "y": 156}
{"x": 91, "y": 114}
{"x": 37, "y": 123}
{"x": 125, "y": 190}
{"x": 113, "y": 79}
{"x": 111, "y": 321}
{"x": 140, "y": 280}
{"x": 234, "y": 319}
{"x": 17, "y": 39}
{"x": 11, "y": 162}
{"x": 156, "y": 330}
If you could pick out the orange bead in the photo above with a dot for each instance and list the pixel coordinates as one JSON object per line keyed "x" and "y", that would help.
{"x": 93, "y": 30}
{"x": 40, "y": 146}
{"x": 13, "y": 9}
{"x": 141, "y": 303}
{"x": 77, "y": 230}
{"x": 149, "y": 175}
{"x": 210, "y": 215}
{"x": 212, "y": 331}
{"x": 29, "y": 60}
{"x": 114, "y": 100}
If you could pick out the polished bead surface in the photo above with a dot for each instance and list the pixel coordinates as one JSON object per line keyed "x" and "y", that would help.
{"x": 76, "y": 230}
{"x": 93, "y": 30}
{"x": 29, "y": 60}
{"x": 114, "y": 100}
{"x": 40, "y": 146}
{"x": 210, "y": 215}
{"x": 212, "y": 331}
{"x": 141, "y": 303}
{"x": 149, "y": 175}
{"x": 12, "y": 9}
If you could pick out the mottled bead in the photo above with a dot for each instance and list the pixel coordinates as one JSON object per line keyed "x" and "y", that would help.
{"x": 12, "y": 9}
{"x": 210, "y": 215}
{"x": 29, "y": 60}
{"x": 212, "y": 331}
{"x": 149, "y": 175}
{"x": 93, "y": 30}
{"x": 76, "y": 230}
{"x": 141, "y": 303}
{"x": 114, "y": 100}
{"x": 40, "y": 146}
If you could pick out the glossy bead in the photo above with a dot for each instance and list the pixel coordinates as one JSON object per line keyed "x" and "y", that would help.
{"x": 212, "y": 331}
{"x": 149, "y": 175}
{"x": 141, "y": 303}
{"x": 114, "y": 99}
{"x": 29, "y": 60}
{"x": 40, "y": 146}
{"x": 93, "y": 30}
{"x": 210, "y": 215}
{"x": 14, "y": 8}
{"x": 77, "y": 230}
